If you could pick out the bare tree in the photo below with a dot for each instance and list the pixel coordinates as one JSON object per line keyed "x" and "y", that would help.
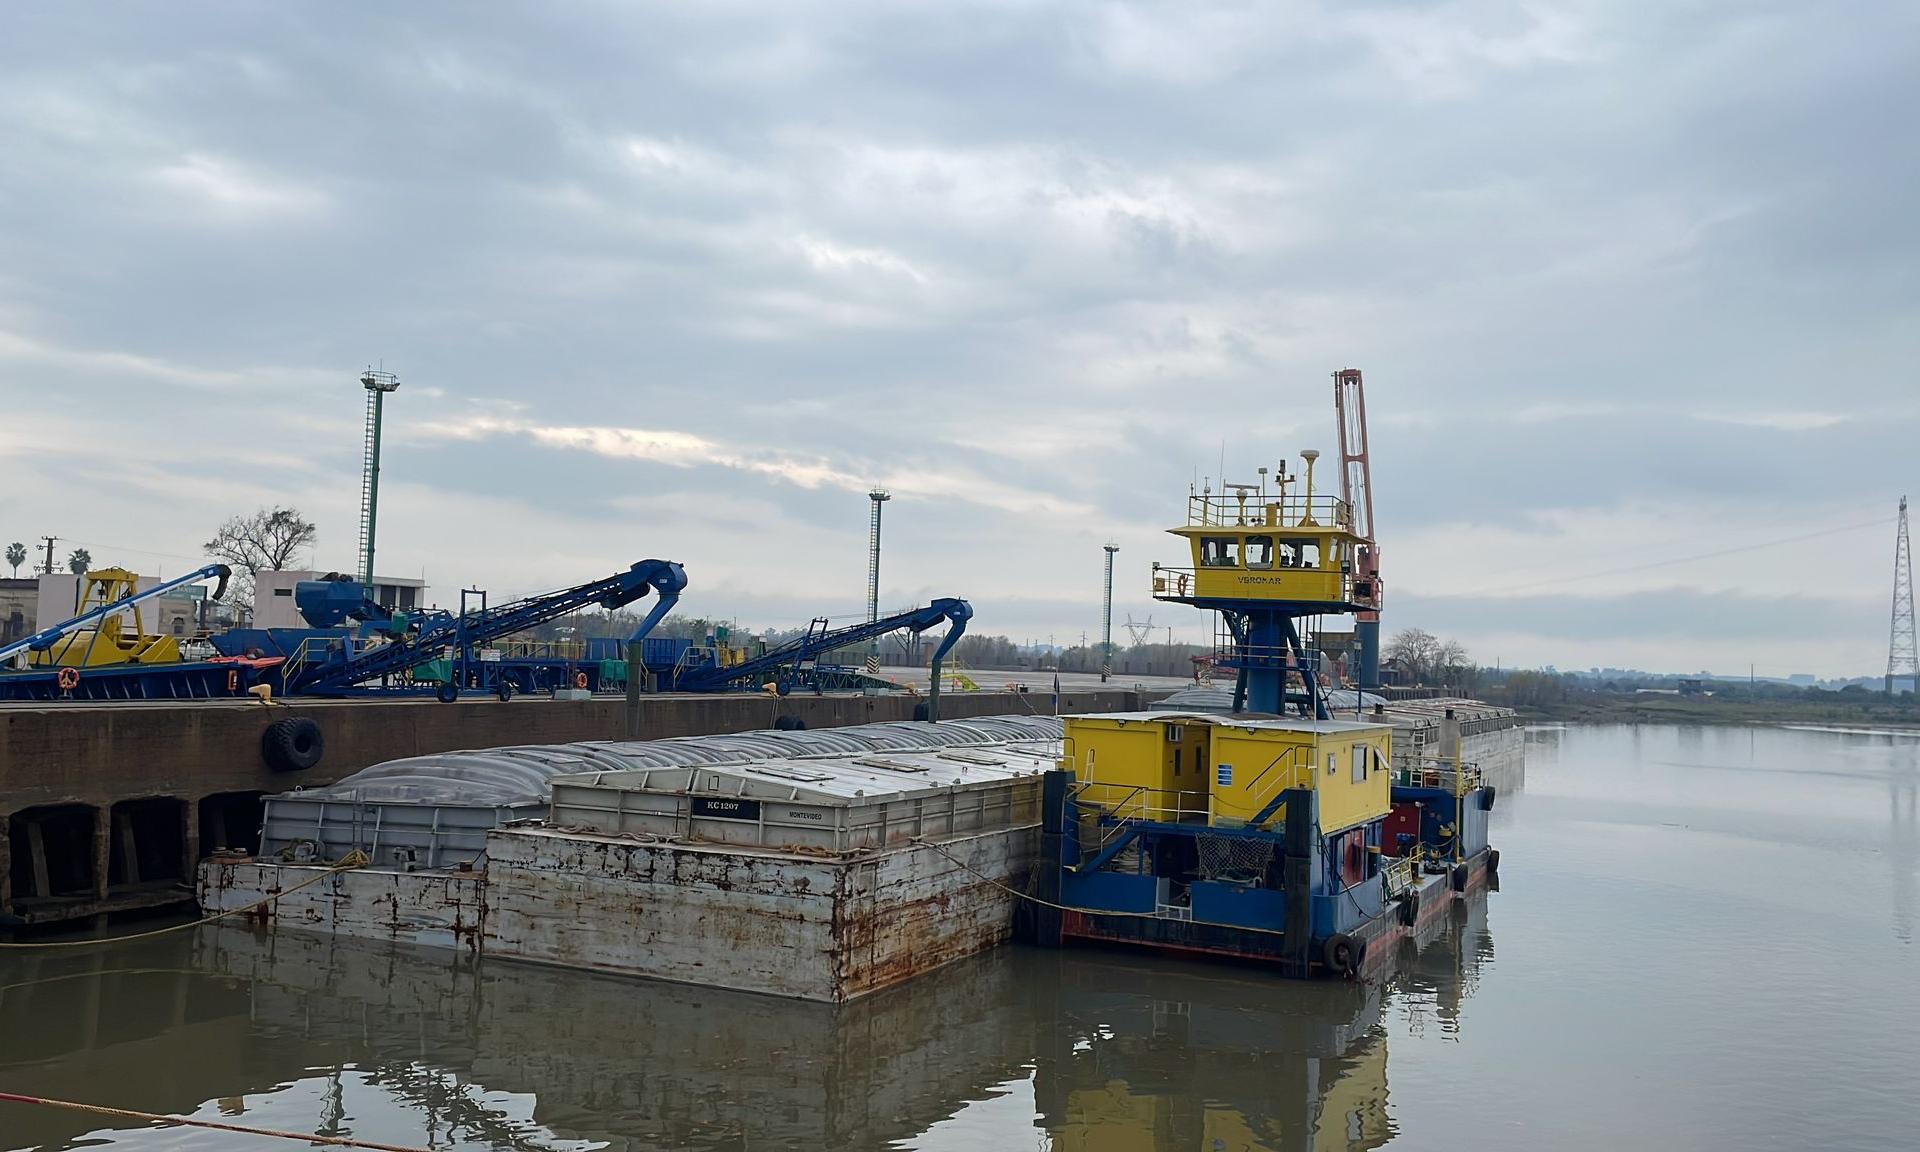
{"x": 1449, "y": 660}
{"x": 264, "y": 541}
{"x": 16, "y": 556}
{"x": 78, "y": 561}
{"x": 1414, "y": 649}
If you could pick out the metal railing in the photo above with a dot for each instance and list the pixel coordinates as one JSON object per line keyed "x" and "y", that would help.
{"x": 1139, "y": 802}
{"x": 1256, "y": 510}
{"x": 1271, "y": 583}
{"x": 1283, "y": 773}
{"x": 316, "y": 652}
{"x": 1106, "y": 811}
{"x": 1398, "y": 874}
{"x": 573, "y": 650}
{"x": 1449, "y": 773}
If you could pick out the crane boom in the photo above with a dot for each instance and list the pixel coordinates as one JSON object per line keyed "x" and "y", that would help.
{"x": 1356, "y": 489}
{"x": 46, "y": 638}
{"x": 446, "y": 630}
{"x": 802, "y": 650}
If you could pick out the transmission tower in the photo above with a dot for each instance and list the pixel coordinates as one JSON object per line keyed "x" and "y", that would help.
{"x": 1903, "y": 663}
{"x": 377, "y": 384}
{"x": 1141, "y": 630}
{"x": 1106, "y": 620}
{"x": 879, "y": 496}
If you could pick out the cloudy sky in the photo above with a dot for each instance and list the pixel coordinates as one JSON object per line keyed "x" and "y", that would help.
{"x": 1633, "y": 284}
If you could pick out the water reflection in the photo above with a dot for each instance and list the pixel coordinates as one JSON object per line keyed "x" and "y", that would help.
{"x": 1098, "y": 1051}
{"x": 1194, "y": 1058}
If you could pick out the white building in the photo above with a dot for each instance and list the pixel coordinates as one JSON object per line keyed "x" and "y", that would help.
{"x": 273, "y": 605}
{"x": 57, "y": 598}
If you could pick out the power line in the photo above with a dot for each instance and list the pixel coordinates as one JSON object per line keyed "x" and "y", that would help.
{"x": 1677, "y": 560}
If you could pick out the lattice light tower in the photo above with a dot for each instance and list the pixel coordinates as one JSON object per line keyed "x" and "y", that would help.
{"x": 377, "y": 384}
{"x": 879, "y": 496}
{"x": 1106, "y": 620}
{"x": 1903, "y": 661}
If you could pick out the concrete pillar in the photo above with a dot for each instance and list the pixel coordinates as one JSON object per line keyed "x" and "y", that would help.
{"x": 1450, "y": 738}
{"x": 189, "y": 838}
{"x": 129, "y": 847}
{"x": 635, "y": 670}
{"x": 37, "y": 857}
{"x": 102, "y": 850}
{"x": 6, "y": 867}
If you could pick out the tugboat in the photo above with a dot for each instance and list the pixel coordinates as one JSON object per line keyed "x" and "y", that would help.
{"x": 1275, "y": 833}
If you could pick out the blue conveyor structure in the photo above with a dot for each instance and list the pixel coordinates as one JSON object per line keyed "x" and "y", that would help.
{"x": 336, "y": 666}
{"x": 795, "y": 659}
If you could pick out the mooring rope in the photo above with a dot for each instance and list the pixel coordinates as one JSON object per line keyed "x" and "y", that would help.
{"x": 353, "y": 860}
{"x": 215, "y": 1125}
{"x": 1028, "y": 896}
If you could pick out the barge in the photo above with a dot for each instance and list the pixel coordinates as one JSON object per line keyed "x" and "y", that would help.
{"x": 821, "y": 865}
{"x": 828, "y": 866}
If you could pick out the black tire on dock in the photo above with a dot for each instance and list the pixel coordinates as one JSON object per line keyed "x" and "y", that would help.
{"x": 448, "y": 692}
{"x": 1460, "y": 878}
{"x": 920, "y": 711}
{"x": 1493, "y": 860}
{"x": 790, "y": 724}
{"x": 504, "y": 690}
{"x": 1486, "y": 798}
{"x": 292, "y": 745}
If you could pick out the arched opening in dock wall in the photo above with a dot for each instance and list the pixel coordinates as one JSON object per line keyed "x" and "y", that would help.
{"x": 230, "y": 820}
{"x": 52, "y": 849}
{"x": 148, "y": 842}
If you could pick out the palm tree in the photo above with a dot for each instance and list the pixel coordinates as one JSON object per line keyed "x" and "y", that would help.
{"x": 78, "y": 561}
{"x": 16, "y": 556}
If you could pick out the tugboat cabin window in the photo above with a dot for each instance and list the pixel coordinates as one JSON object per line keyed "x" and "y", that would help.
{"x": 1219, "y": 552}
{"x": 1259, "y": 551}
{"x": 1303, "y": 553}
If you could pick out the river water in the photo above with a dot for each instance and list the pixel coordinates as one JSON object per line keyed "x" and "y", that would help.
{"x": 1704, "y": 938}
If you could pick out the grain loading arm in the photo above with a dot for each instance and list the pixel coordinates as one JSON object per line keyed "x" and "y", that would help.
{"x": 435, "y": 633}
{"x": 46, "y": 638}
{"x": 807, "y": 649}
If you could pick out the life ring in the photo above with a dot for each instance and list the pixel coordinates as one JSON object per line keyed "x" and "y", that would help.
{"x": 68, "y": 678}
{"x": 579, "y": 679}
{"x": 233, "y": 680}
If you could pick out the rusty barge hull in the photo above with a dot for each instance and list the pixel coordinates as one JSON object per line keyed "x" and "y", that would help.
{"x": 794, "y": 925}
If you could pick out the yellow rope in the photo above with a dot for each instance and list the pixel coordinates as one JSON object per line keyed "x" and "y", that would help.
{"x": 248, "y": 1130}
{"x": 353, "y": 860}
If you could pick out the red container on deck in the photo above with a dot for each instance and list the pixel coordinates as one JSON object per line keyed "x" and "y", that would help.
{"x": 1404, "y": 820}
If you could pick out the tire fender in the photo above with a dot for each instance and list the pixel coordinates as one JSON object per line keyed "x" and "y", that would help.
{"x": 1342, "y": 953}
{"x": 292, "y": 745}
